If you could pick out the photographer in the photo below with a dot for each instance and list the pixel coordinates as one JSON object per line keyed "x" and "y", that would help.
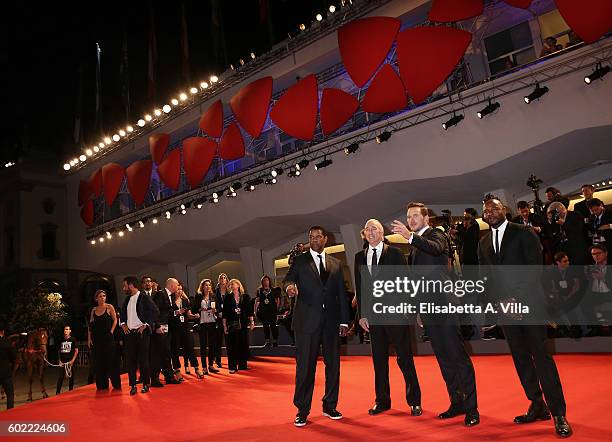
{"x": 599, "y": 224}
{"x": 564, "y": 231}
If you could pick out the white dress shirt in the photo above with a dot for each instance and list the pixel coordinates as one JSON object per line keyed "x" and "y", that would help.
{"x": 379, "y": 249}
{"x": 133, "y": 321}
{"x": 500, "y": 235}
{"x": 315, "y": 256}
{"x": 420, "y": 232}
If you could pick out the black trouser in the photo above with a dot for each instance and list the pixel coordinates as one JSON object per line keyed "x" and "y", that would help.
{"x": 208, "y": 337}
{"x": 183, "y": 338}
{"x": 535, "y": 366}
{"x": 398, "y": 335}
{"x": 237, "y": 344}
{"x": 286, "y": 321}
{"x": 160, "y": 356}
{"x": 7, "y": 384}
{"x": 137, "y": 354}
{"x": 104, "y": 360}
{"x": 269, "y": 327}
{"x": 455, "y": 364}
{"x": 307, "y": 351}
{"x": 60, "y": 379}
{"x": 219, "y": 342}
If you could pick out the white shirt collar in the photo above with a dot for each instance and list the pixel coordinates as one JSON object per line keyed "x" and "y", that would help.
{"x": 502, "y": 227}
{"x": 420, "y": 232}
{"x": 378, "y": 248}
{"x": 315, "y": 255}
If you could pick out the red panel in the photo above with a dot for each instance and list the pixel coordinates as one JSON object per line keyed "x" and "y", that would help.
{"x": 251, "y": 103}
{"x": 428, "y": 55}
{"x": 84, "y": 191}
{"x": 158, "y": 144}
{"x": 95, "y": 183}
{"x": 169, "y": 170}
{"x": 364, "y": 44}
{"x": 590, "y": 19}
{"x": 112, "y": 176}
{"x": 212, "y": 120}
{"x": 446, "y": 11}
{"x": 296, "y": 111}
{"x": 337, "y": 107}
{"x": 232, "y": 144}
{"x": 524, "y": 4}
{"x": 87, "y": 213}
{"x": 198, "y": 154}
{"x": 386, "y": 92}
{"x": 139, "y": 179}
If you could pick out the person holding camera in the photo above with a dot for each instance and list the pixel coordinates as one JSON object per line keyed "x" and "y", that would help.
{"x": 564, "y": 231}
{"x": 600, "y": 223}
{"x": 599, "y": 288}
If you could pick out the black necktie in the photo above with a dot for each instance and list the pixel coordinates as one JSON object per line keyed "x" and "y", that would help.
{"x": 374, "y": 261}
{"x": 496, "y": 242}
{"x": 322, "y": 271}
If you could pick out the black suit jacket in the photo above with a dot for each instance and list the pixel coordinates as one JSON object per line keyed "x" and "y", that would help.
{"x": 594, "y": 224}
{"x": 469, "y": 244}
{"x": 390, "y": 256}
{"x": 146, "y": 310}
{"x": 582, "y": 209}
{"x": 313, "y": 294}
{"x": 162, "y": 301}
{"x": 521, "y": 249}
{"x": 534, "y": 219}
{"x": 7, "y": 357}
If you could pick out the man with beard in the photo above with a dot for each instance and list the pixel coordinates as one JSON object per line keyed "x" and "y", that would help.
{"x": 510, "y": 244}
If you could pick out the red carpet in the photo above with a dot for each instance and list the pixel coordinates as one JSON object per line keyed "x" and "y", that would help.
{"x": 256, "y": 405}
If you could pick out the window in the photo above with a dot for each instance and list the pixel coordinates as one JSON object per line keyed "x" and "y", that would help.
{"x": 510, "y": 48}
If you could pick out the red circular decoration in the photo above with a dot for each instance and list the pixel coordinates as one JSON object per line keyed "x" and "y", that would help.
{"x": 250, "y": 105}
{"x": 158, "y": 144}
{"x": 231, "y": 146}
{"x": 212, "y": 120}
{"x": 337, "y": 107}
{"x": 386, "y": 92}
{"x": 139, "y": 179}
{"x": 170, "y": 169}
{"x": 198, "y": 154}
{"x": 296, "y": 111}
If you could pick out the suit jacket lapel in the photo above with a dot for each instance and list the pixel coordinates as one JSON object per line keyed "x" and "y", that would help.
{"x": 313, "y": 265}
{"x": 507, "y": 235}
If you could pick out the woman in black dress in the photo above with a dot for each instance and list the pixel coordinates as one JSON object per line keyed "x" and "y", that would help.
{"x": 220, "y": 291}
{"x": 237, "y": 321}
{"x": 206, "y": 305}
{"x": 102, "y": 324}
{"x": 267, "y": 303}
{"x": 181, "y": 332}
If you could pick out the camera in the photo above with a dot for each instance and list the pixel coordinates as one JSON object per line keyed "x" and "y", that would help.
{"x": 555, "y": 215}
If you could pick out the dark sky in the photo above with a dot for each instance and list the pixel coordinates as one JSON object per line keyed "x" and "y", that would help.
{"x": 44, "y": 44}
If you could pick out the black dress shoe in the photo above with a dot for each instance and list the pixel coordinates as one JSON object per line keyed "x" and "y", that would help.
{"x": 332, "y": 414}
{"x": 562, "y": 426}
{"x": 377, "y": 409}
{"x": 145, "y": 389}
{"x": 453, "y": 411}
{"x": 212, "y": 369}
{"x": 156, "y": 384}
{"x": 172, "y": 381}
{"x": 472, "y": 418}
{"x": 133, "y": 390}
{"x": 416, "y": 410}
{"x": 300, "y": 420}
{"x": 537, "y": 412}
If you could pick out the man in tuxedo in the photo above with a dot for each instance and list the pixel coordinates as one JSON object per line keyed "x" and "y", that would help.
{"x": 369, "y": 265}
{"x": 527, "y": 218}
{"x": 160, "y": 339}
{"x": 139, "y": 315}
{"x": 510, "y": 244}
{"x": 600, "y": 224}
{"x": 430, "y": 248}
{"x": 147, "y": 286}
{"x": 320, "y": 316}
{"x": 581, "y": 206}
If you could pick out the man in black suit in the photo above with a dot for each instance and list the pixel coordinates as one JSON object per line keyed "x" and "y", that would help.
{"x": 160, "y": 339}
{"x": 139, "y": 315}
{"x": 581, "y": 206}
{"x": 510, "y": 244}
{"x": 527, "y": 218}
{"x": 320, "y": 316}
{"x": 7, "y": 361}
{"x": 430, "y": 248}
{"x": 600, "y": 224}
{"x": 369, "y": 266}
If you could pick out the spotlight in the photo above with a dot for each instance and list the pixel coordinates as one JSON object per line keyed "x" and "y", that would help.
{"x": 213, "y": 78}
{"x": 294, "y": 173}
{"x": 96, "y": 149}
{"x": 489, "y": 109}
{"x": 129, "y": 129}
{"x": 127, "y": 226}
{"x": 167, "y": 214}
{"x": 82, "y": 158}
{"x": 276, "y": 172}
{"x": 230, "y": 193}
{"x": 321, "y": 164}
{"x": 148, "y": 117}
{"x": 332, "y": 9}
{"x": 93, "y": 242}
{"x": 157, "y": 112}
{"x": 66, "y": 166}
{"x": 107, "y": 140}
{"x": 241, "y": 62}
{"x": 193, "y": 90}
{"x": 199, "y": 205}
{"x": 271, "y": 181}
{"x": 182, "y": 207}
{"x": 166, "y": 108}
{"x": 384, "y": 136}
{"x": 598, "y": 73}
{"x": 154, "y": 220}
{"x": 101, "y": 239}
{"x": 121, "y": 233}
{"x": 536, "y": 94}
{"x": 122, "y": 133}
{"x": 351, "y": 148}
{"x": 101, "y": 145}
{"x": 236, "y": 186}
{"x": 184, "y": 212}
{"x": 141, "y": 123}
{"x": 140, "y": 224}
{"x": 182, "y": 96}
{"x": 109, "y": 235}
{"x": 253, "y": 55}
{"x": 302, "y": 164}
{"x": 116, "y": 138}
{"x": 249, "y": 187}
{"x": 232, "y": 67}
{"x": 89, "y": 152}
{"x": 215, "y": 195}
{"x": 214, "y": 199}
{"x": 174, "y": 102}
{"x": 319, "y": 17}
{"x": 204, "y": 85}
{"x": 76, "y": 161}
{"x": 302, "y": 27}
{"x": 452, "y": 122}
